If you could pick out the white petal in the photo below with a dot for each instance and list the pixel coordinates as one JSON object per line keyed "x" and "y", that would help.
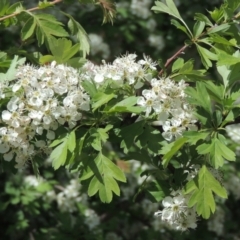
{"x": 99, "y": 78}
{"x": 50, "y": 135}
{"x": 8, "y": 156}
{"x": 167, "y": 201}
{"x": 16, "y": 87}
{"x": 4, "y": 147}
{"x": 6, "y": 115}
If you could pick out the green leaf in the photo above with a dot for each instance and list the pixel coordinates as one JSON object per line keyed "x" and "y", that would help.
{"x": 109, "y": 172}
{"x": 99, "y": 135}
{"x": 61, "y": 49}
{"x": 201, "y": 17}
{"x": 59, "y": 154}
{"x": 4, "y": 4}
{"x": 217, "y": 118}
{"x": 216, "y": 91}
{"x": 178, "y": 64}
{"x": 180, "y": 27}
{"x": 218, "y": 152}
{"x": 226, "y": 59}
{"x": 174, "y": 149}
{"x": 187, "y": 67}
{"x": 78, "y": 31}
{"x": 113, "y": 170}
{"x": 217, "y": 14}
{"x": 169, "y": 8}
{"x": 157, "y": 190}
{"x": 201, "y": 190}
{"x": 90, "y": 87}
{"x": 28, "y": 28}
{"x": 128, "y": 134}
{"x": 221, "y": 28}
{"x": 96, "y": 142}
{"x": 101, "y": 98}
{"x": 198, "y": 94}
{"x": 48, "y": 26}
{"x": 150, "y": 139}
{"x": 194, "y": 136}
{"x": 71, "y": 141}
{"x": 198, "y": 28}
{"x": 229, "y": 118}
{"x": 205, "y": 55}
{"x": 126, "y": 105}
{"x": 44, "y": 4}
{"x": 219, "y": 39}
{"x": 229, "y": 72}
{"x": 93, "y": 187}
{"x": 11, "y": 73}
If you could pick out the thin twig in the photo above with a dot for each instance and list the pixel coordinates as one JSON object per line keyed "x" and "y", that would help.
{"x": 195, "y": 40}
{"x": 173, "y": 57}
{"x": 29, "y": 10}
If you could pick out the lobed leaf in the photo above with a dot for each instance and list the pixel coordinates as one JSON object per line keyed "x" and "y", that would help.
{"x": 201, "y": 190}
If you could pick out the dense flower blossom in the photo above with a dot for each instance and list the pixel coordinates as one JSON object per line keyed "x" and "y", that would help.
{"x": 44, "y": 98}
{"x": 51, "y": 96}
{"x": 176, "y": 213}
{"x": 124, "y": 69}
{"x": 166, "y": 102}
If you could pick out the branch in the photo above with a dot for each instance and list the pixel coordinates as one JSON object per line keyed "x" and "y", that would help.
{"x": 194, "y": 40}
{"x": 173, "y": 57}
{"x": 29, "y": 10}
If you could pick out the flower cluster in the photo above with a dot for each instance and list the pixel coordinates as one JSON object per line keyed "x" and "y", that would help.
{"x": 166, "y": 99}
{"x": 92, "y": 219}
{"x": 176, "y": 212}
{"x": 98, "y": 46}
{"x": 66, "y": 197}
{"x": 69, "y": 196}
{"x": 50, "y": 96}
{"x": 233, "y": 132}
{"x": 124, "y": 69}
{"x": 43, "y": 99}
{"x": 141, "y": 8}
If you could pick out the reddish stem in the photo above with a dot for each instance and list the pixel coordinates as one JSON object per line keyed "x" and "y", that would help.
{"x": 172, "y": 58}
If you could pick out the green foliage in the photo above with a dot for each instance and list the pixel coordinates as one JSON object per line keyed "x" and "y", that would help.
{"x": 170, "y": 8}
{"x": 218, "y": 152}
{"x": 45, "y": 26}
{"x": 65, "y": 144}
{"x": 116, "y": 129}
{"x": 63, "y": 52}
{"x": 13, "y": 64}
{"x": 174, "y": 149}
{"x": 104, "y": 180}
{"x": 77, "y": 31}
{"x": 201, "y": 189}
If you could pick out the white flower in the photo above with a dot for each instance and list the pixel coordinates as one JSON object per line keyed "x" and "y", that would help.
{"x": 173, "y": 208}
{"x": 148, "y": 62}
{"x": 99, "y": 78}
{"x": 176, "y": 212}
{"x": 172, "y": 129}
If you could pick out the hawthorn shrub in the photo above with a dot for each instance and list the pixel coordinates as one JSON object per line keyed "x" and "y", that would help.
{"x": 144, "y": 145}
